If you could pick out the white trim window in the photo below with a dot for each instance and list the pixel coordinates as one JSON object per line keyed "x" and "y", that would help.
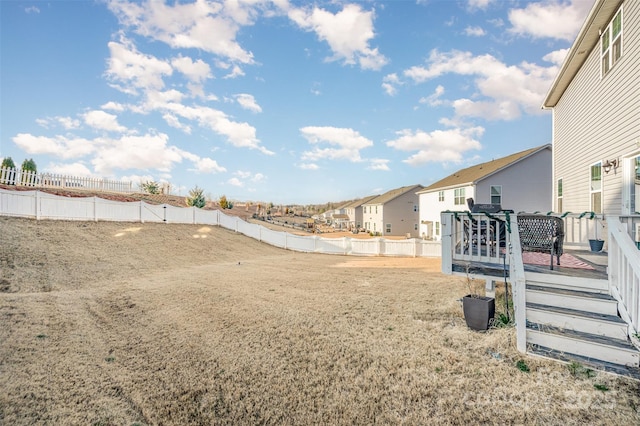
{"x": 496, "y": 194}
{"x": 437, "y": 229}
{"x": 559, "y": 195}
{"x": 611, "y": 43}
{"x": 459, "y": 197}
{"x": 388, "y": 230}
{"x": 634, "y": 193}
{"x": 441, "y": 196}
{"x": 595, "y": 189}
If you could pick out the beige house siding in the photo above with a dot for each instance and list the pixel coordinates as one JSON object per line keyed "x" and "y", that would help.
{"x": 598, "y": 119}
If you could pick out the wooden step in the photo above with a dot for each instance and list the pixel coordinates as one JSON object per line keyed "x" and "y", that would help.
{"x": 587, "y": 345}
{"x": 592, "y": 285}
{"x": 595, "y": 364}
{"x": 572, "y": 299}
{"x": 577, "y": 320}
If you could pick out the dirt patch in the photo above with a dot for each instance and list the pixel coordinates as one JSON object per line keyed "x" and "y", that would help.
{"x": 116, "y": 323}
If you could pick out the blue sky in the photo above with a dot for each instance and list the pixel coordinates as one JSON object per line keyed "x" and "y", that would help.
{"x": 281, "y": 101}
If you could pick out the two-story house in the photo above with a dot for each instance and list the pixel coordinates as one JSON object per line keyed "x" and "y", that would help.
{"x": 354, "y": 211}
{"x": 395, "y": 212}
{"x": 518, "y": 182}
{"x": 595, "y": 100}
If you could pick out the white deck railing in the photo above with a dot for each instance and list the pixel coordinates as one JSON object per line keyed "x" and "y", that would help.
{"x": 51, "y": 180}
{"x": 624, "y": 273}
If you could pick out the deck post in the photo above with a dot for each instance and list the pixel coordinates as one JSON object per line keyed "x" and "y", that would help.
{"x": 446, "y": 243}
{"x": 490, "y": 287}
{"x": 518, "y": 285}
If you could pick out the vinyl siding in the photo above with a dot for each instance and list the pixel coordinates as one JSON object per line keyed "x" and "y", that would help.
{"x": 526, "y": 185}
{"x": 598, "y": 119}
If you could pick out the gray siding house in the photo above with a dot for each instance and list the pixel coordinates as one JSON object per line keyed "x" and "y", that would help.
{"x": 595, "y": 100}
{"x": 518, "y": 182}
{"x": 393, "y": 213}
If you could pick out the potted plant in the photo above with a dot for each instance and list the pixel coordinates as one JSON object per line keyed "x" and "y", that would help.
{"x": 596, "y": 244}
{"x": 478, "y": 310}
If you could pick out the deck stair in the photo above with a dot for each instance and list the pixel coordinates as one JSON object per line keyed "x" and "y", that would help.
{"x": 575, "y": 319}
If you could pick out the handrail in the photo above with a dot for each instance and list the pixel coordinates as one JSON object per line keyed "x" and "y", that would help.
{"x": 624, "y": 273}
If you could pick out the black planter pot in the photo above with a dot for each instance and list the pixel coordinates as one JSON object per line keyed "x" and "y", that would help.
{"x": 596, "y": 245}
{"x": 478, "y": 311}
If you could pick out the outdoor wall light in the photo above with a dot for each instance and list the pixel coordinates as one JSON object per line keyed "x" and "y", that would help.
{"x": 608, "y": 164}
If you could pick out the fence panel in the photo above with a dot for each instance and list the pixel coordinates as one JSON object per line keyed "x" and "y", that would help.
{"x": 226, "y": 221}
{"x": 18, "y": 203}
{"x": 55, "y": 207}
{"x": 179, "y": 214}
{"x": 400, "y": 247}
{"x": 275, "y": 238}
{"x": 368, "y": 247}
{"x": 249, "y": 229}
{"x": 207, "y": 217}
{"x": 333, "y": 245}
{"x": 429, "y": 249}
{"x": 118, "y": 211}
{"x": 301, "y": 243}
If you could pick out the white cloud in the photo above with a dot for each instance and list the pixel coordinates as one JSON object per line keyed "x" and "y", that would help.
{"x": 67, "y": 123}
{"x": 235, "y": 182}
{"x": 113, "y": 106}
{"x": 556, "y": 57}
{"x": 32, "y": 9}
{"x": 174, "y": 122}
{"x": 207, "y": 166}
{"x": 556, "y": 19}
{"x": 437, "y": 146}
{"x": 247, "y": 101}
{"x": 236, "y": 71}
{"x": 390, "y": 83}
{"x": 474, "y": 31}
{"x": 131, "y": 70}
{"x": 378, "y": 164}
{"x": 308, "y": 166}
{"x": 347, "y": 32}
{"x": 101, "y": 120}
{"x": 345, "y": 143}
{"x": 507, "y": 89}
{"x": 479, "y": 4}
{"x": 197, "y": 71}
{"x": 434, "y": 98}
{"x": 258, "y": 177}
{"x": 59, "y": 146}
{"x": 73, "y": 169}
{"x": 149, "y": 151}
{"x": 208, "y": 26}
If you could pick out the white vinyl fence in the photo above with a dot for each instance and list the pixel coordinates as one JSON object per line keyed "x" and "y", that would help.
{"x": 40, "y": 205}
{"x": 52, "y": 180}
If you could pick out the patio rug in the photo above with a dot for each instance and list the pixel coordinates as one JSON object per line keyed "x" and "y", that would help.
{"x": 566, "y": 260}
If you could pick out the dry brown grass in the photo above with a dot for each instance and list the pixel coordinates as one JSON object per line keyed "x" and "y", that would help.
{"x": 112, "y": 323}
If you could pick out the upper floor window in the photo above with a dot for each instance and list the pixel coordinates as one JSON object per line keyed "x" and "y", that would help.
{"x": 458, "y": 197}
{"x": 611, "y": 43}
{"x": 415, "y": 207}
{"x": 441, "y": 196}
{"x": 496, "y": 194}
{"x": 596, "y": 188}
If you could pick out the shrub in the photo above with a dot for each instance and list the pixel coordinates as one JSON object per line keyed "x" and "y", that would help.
{"x": 150, "y": 187}
{"x": 196, "y": 198}
{"x": 7, "y": 163}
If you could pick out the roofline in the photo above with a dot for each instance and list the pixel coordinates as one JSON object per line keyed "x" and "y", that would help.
{"x": 575, "y": 59}
{"x": 391, "y": 199}
{"x": 473, "y": 182}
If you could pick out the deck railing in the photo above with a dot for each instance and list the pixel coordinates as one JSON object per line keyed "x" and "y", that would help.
{"x": 474, "y": 237}
{"x": 624, "y": 272}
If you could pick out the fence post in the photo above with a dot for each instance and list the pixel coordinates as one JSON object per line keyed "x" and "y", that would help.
{"x": 38, "y": 205}
{"x": 95, "y": 208}
{"x": 446, "y": 243}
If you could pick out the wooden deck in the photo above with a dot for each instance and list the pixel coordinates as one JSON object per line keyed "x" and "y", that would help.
{"x": 597, "y": 261}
